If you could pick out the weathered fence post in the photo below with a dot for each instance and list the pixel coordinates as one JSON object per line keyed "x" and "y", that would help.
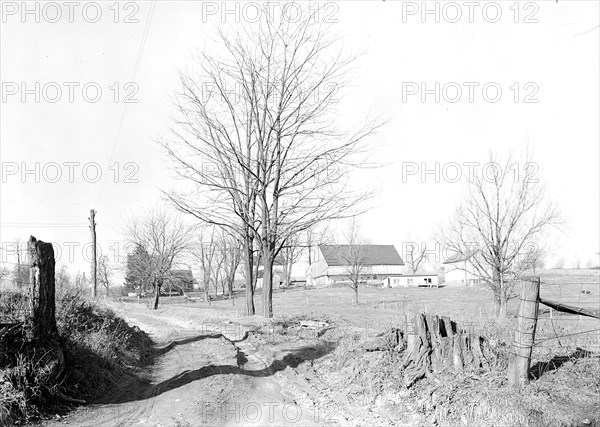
{"x": 520, "y": 360}
{"x": 42, "y": 282}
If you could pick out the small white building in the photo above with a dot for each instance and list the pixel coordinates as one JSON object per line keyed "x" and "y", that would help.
{"x": 418, "y": 279}
{"x": 458, "y": 270}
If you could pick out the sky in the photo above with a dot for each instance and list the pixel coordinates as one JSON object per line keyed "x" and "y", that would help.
{"x": 87, "y": 89}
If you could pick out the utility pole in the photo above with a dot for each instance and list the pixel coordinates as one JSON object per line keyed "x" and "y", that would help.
{"x": 92, "y": 219}
{"x": 19, "y": 280}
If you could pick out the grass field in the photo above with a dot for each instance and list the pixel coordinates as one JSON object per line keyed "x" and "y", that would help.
{"x": 383, "y": 307}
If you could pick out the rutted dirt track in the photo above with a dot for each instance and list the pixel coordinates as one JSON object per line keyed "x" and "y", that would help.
{"x": 222, "y": 377}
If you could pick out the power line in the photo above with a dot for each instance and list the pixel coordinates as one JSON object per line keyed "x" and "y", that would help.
{"x": 40, "y": 224}
{"x": 133, "y": 76}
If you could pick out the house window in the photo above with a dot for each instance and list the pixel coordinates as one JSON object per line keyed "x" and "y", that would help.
{"x": 409, "y": 281}
{"x": 427, "y": 280}
{"x": 396, "y": 281}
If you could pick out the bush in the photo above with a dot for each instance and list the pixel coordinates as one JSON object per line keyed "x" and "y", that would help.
{"x": 14, "y": 305}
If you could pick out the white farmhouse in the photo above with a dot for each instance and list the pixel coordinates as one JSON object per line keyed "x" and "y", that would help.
{"x": 331, "y": 263}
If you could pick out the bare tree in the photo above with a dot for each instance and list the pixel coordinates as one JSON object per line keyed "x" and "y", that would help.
{"x": 354, "y": 256}
{"x": 20, "y": 274}
{"x": 559, "y": 263}
{"x": 267, "y": 158}
{"x": 80, "y": 281}
{"x": 315, "y": 236}
{"x": 231, "y": 251}
{"x": 300, "y": 245}
{"x": 289, "y": 255}
{"x": 104, "y": 273}
{"x": 577, "y": 262}
{"x": 414, "y": 255}
{"x": 217, "y": 270}
{"x": 63, "y": 280}
{"x": 165, "y": 238}
{"x": 535, "y": 256}
{"x": 20, "y": 271}
{"x": 205, "y": 252}
{"x": 502, "y": 218}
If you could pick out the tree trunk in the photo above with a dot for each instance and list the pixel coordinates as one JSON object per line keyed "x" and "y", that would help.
{"x": 43, "y": 307}
{"x": 288, "y": 274}
{"x": 287, "y": 271}
{"x": 497, "y": 287}
{"x": 267, "y": 288}
{"x": 503, "y": 305}
{"x": 156, "y": 295}
{"x": 356, "y": 293}
{"x": 497, "y": 302}
{"x": 503, "y": 297}
{"x": 206, "y": 290}
{"x": 249, "y": 266}
{"x": 284, "y": 272}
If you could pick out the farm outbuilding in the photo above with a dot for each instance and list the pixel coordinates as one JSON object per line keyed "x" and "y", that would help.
{"x": 458, "y": 270}
{"x": 418, "y": 279}
{"x": 332, "y": 263}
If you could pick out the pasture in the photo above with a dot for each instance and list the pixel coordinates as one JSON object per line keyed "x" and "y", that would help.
{"x": 381, "y": 308}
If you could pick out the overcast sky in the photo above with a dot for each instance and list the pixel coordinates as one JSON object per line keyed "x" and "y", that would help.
{"x": 546, "y": 65}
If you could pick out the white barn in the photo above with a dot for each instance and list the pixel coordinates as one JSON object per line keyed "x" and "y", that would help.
{"x": 331, "y": 263}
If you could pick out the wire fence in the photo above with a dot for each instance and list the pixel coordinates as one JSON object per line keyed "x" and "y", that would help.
{"x": 568, "y": 328}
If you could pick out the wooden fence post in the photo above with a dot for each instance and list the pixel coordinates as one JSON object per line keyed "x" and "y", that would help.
{"x": 43, "y": 307}
{"x": 520, "y": 360}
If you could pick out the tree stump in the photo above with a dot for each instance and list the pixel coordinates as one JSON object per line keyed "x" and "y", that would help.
{"x": 43, "y": 308}
{"x": 436, "y": 344}
{"x": 42, "y": 290}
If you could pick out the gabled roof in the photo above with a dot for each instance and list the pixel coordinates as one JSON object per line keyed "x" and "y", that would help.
{"x": 460, "y": 257}
{"x": 338, "y": 255}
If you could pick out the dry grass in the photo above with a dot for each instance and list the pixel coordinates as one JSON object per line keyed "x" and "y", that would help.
{"x": 100, "y": 351}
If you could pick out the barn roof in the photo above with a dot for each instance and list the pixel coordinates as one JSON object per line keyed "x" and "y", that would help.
{"x": 338, "y": 255}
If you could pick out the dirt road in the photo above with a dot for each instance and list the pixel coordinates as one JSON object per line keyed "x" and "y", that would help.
{"x": 218, "y": 373}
